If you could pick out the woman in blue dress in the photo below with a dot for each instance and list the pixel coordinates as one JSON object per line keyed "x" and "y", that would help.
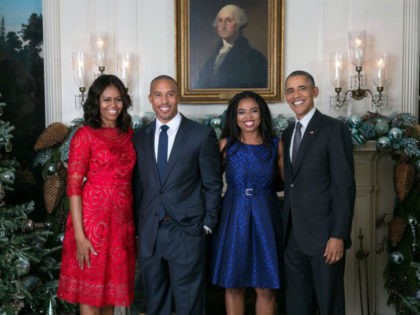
{"x": 246, "y": 249}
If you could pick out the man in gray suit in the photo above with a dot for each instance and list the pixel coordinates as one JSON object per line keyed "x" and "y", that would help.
{"x": 319, "y": 189}
{"x": 177, "y": 197}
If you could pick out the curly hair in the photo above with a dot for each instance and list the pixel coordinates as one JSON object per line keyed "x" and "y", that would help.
{"x": 231, "y": 130}
{"x": 91, "y": 107}
{"x": 239, "y": 14}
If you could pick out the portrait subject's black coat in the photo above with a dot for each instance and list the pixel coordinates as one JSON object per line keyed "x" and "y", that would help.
{"x": 243, "y": 67}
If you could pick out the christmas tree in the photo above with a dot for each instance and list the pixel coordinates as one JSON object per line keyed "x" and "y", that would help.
{"x": 28, "y": 252}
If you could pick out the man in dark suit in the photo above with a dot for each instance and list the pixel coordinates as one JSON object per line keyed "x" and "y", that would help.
{"x": 234, "y": 64}
{"x": 319, "y": 200}
{"x": 177, "y": 206}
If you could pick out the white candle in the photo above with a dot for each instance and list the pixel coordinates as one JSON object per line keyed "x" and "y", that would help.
{"x": 100, "y": 58}
{"x": 100, "y": 43}
{"x": 337, "y": 73}
{"x": 357, "y": 47}
{"x": 380, "y": 66}
{"x": 358, "y": 52}
{"x": 124, "y": 65}
{"x": 79, "y": 68}
{"x": 336, "y": 69}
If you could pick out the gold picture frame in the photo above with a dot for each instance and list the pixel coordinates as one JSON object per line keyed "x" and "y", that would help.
{"x": 196, "y": 45}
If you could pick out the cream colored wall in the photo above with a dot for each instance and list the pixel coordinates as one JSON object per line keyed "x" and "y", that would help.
{"x": 313, "y": 30}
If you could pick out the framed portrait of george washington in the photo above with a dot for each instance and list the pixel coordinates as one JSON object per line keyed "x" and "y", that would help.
{"x": 223, "y": 48}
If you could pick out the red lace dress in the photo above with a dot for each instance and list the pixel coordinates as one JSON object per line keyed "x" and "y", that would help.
{"x": 105, "y": 159}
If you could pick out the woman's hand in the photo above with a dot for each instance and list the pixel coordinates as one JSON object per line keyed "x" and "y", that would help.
{"x": 84, "y": 248}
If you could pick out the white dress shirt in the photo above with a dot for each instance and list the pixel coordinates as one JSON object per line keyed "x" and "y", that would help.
{"x": 173, "y": 125}
{"x": 304, "y": 122}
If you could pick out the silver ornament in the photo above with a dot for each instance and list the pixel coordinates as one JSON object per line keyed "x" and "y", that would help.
{"x": 136, "y": 122}
{"x": 51, "y": 168}
{"x": 412, "y": 220}
{"x": 60, "y": 237}
{"x": 383, "y": 143}
{"x": 216, "y": 122}
{"x": 395, "y": 133}
{"x": 417, "y": 295}
{"x": 22, "y": 266}
{"x": 27, "y": 225}
{"x": 354, "y": 120}
{"x": 396, "y": 257}
{"x": 8, "y": 147}
{"x": 30, "y": 281}
{"x": 381, "y": 127}
{"x": 7, "y": 177}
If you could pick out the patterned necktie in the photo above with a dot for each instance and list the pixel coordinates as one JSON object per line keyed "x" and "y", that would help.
{"x": 162, "y": 154}
{"x": 296, "y": 141}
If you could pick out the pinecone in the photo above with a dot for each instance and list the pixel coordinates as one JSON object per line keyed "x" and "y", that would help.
{"x": 53, "y": 135}
{"x": 396, "y": 229}
{"x": 417, "y": 133}
{"x": 409, "y": 131}
{"x": 404, "y": 176}
{"x": 54, "y": 188}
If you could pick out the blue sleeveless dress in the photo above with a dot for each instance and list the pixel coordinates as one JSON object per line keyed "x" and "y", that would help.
{"x": 246, "y": 246}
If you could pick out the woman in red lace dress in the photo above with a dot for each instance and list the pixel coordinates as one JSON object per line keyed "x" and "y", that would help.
{"x": 98, "y": 262}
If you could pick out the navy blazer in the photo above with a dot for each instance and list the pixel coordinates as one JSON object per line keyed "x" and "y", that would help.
{"x": 191, "y": 191}
{"x": 320, "y": 189}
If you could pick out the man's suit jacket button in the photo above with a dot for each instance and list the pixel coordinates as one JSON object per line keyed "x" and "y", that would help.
{"x": 292, "y": 185}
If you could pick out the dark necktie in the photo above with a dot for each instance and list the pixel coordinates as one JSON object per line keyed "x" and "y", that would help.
{"x": 296, "y": 141}
{"x": 162, "y": 154}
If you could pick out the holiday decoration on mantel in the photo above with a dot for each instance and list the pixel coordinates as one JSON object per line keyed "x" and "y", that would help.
{"x": 399, "y": 135}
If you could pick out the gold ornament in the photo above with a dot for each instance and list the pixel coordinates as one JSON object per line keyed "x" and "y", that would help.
{"x": 53, "y": 135}
{"x": 54, "y": 188}
{"x": 404, "y": 176}
{"x": 396, "y": 229}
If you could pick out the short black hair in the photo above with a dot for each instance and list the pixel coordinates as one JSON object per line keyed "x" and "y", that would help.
{"x": 307, "y": 75}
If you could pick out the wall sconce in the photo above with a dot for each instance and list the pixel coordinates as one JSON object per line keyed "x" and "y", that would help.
{"x": 99, "y": 42}
{"x": 81, "y": 63}
{"x": 357, "y": 91}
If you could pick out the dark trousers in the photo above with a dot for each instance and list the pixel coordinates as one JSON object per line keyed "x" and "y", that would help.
{"x": 175, "y": 273}
{"x": 312, "y": 284}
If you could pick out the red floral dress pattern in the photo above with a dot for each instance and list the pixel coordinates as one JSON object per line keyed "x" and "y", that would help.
{"x": 99, "y": 169}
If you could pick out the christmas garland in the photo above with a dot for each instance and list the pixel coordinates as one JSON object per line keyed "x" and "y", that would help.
{"x": 398, "y": 133}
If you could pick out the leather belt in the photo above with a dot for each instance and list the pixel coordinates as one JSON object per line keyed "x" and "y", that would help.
{"x": 249, "y": 192}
